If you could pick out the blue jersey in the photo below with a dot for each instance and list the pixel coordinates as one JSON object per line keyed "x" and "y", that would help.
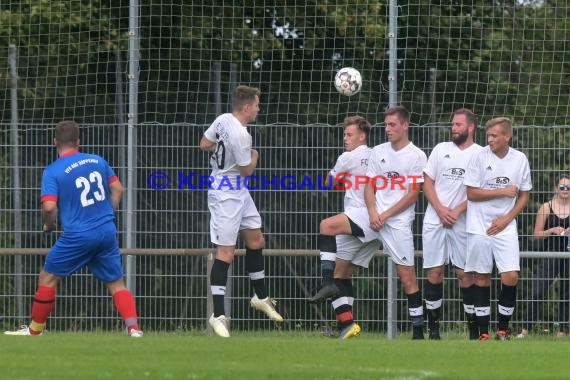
{"x": 79, "y": 183}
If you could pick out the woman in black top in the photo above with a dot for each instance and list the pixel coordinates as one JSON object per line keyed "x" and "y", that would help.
{"x": 552, "y": 227}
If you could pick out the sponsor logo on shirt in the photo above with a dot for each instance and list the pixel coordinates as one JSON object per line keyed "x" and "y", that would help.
{"x": 454, "y": 174}
{"x": 498, "y": 182}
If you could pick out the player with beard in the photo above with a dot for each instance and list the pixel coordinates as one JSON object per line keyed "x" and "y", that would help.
{"x": 444, "y": 235}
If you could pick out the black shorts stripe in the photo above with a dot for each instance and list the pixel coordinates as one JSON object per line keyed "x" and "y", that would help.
{"x": 356, "y": 231}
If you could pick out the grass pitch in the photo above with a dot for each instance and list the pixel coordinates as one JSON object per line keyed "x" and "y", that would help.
{"x": 277, "y": 355}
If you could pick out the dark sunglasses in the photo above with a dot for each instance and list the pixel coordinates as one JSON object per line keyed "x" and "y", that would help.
{"x": 564, "y": 187}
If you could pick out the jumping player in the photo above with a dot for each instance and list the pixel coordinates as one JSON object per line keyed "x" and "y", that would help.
{"x": 232, "y": 210}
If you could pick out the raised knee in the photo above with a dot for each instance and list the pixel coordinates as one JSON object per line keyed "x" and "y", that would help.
{"x": 324, "y": 228}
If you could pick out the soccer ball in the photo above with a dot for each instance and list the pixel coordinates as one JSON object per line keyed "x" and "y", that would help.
{"x": 348, "y": 81}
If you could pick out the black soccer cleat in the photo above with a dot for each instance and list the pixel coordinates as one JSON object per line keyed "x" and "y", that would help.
{"x": 434, "y": 334}
{"x": 473, "y": 328}
{"x": 418, "y": 333}
{"x": 326, "y": 291}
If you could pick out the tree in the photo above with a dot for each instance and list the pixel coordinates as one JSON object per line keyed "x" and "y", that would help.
{"x": 500, "y": 58}
{"x": 66, "y": 59}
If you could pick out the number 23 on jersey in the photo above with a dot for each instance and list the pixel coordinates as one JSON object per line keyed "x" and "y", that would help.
{"x": 92, "y": 188}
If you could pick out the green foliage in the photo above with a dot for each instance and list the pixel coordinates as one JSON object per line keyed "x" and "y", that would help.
{"x": 63, "y": 50}
{"x": 498, "y": 58}
{"x": 284, "y": 48}
{"x": 505, "y": 58}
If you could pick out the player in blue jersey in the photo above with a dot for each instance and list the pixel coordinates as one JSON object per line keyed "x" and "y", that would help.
{"x": 85, "y": 191}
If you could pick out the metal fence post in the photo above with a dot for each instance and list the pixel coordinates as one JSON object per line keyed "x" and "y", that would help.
{"x": 16, "y": 184}
{"x": 391, "y": 300}
{"x": 209, "y": 302}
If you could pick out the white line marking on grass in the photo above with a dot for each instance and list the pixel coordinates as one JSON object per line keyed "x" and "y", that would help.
{"x": 401, "y": 374}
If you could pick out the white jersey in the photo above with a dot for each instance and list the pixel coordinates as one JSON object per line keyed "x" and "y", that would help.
{"x": 446, "y": 166}
{"x": 487, "y": 171}
{"x": 393, "y": 172}
{"x": 233, "y": 149}
{"x": 350, "y": 165}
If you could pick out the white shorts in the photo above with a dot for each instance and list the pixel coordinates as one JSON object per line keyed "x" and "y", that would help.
{"x": 359, "y": 215}
{"x": 229, "y": 215}
{"x": 398, "y": 243}
{"x": 483, "y": 249}
{"x": 352, "y": 249}
{"x": 441, "y": 245}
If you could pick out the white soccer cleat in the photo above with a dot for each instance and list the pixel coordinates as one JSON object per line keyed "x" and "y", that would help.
{"x": 220, "y": 325}
{"x": 135, "y": 333}
{"x": 23, "y": 331}
{"x": 267, "y": 306}
{"x": 523, "y": 334}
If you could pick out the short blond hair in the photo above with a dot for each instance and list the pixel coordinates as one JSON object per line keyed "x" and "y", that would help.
{"x": 504, "y": 122}
{"x": 243, "y": 95}
{"x": 360, "y": 121}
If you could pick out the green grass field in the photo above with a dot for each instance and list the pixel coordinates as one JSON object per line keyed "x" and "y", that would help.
{"x": 277, "y": 355}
